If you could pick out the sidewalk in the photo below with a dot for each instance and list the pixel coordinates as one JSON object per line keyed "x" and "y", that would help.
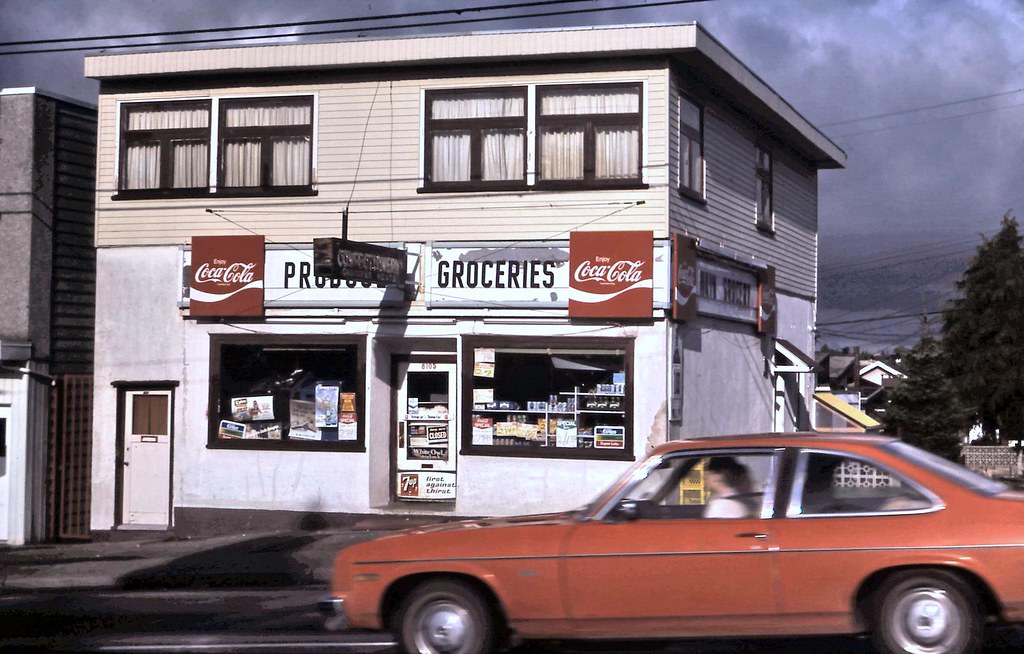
{"x": 159, "y": 561}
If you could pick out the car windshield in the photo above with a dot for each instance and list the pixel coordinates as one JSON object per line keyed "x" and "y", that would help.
{"x": 639, "y": 470}
{"x": 947, "y": 469}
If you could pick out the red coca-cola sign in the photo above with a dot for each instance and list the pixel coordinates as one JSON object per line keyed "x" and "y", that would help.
{"x": 611, "y": 274}
{"x": 227, "y": 276}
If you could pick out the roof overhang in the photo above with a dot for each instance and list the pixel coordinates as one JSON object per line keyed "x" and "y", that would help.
{"x": 687, "y": 45}
{"x": 789, "y": 358}
{"x": 847, "y": 411}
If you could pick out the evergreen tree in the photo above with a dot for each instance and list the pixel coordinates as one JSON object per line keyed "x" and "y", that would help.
{"x": 923, "y": 408}
{"x": 983, "y": 338}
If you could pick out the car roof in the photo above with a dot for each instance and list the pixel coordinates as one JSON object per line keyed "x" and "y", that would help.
{"x": 787, "y": 439}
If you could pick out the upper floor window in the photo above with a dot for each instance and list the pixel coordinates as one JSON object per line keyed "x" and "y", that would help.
{"x": 589, "y": 134}
{"x": 691, "y": 148}
{"x": 263, "y": 145}
{"x": 165, "y": 145}
{"x": 763, "y": 189}
{"x": 476, "y": 138}
{"x": 266, "y": 142}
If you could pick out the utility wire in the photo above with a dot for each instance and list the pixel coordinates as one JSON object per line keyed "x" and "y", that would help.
{"x": 917, "y": 314}
{"x": 903, "y": 112}
{"x": 303, "y": 23}
{"x": 377, "y": 28}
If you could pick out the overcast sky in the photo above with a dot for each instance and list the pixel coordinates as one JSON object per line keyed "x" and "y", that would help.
{"x": 923, "y": 181}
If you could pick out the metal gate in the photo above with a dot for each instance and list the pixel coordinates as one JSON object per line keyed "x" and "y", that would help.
{"x": 70, "y": 458}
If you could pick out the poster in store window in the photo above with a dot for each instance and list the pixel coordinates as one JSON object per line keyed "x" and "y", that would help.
{"x": 303, "y": 420}
{"x": 348, "y": 427}
{"x": 483, "y": 395}
{"x": 231, "y": 429}
{"x": 483, "y": 430}
{"x": 609, "y": 437}
{"x": 271, "y": 431}
{"x": 565, "y": 433}
{"x": 259, "y": 407}
{"x": 326, "y": 406}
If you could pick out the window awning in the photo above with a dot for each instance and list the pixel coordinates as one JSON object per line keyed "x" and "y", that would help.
{"x": 789, "y": 358}
{"x": 847, "y": 411}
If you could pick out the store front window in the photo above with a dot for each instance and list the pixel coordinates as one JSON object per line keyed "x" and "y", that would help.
{"x": 564, "y": 398}
{"x": 296, "y": 393}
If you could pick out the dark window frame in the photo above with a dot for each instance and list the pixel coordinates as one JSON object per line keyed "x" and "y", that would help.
{"x": 475, "y": 127}
{"x": 590, "y": 123}
{"x": 266, "y": 135}
{"x": 303, "y": 341}
{"x": 469, "y": 345}
{"x": 163, "y": 137}
{"x": 764, "y": 179}
{"x": 697, "y": 194}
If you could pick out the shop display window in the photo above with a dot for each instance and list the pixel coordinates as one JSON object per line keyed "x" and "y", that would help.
{"x": 570, "y": 400}
{"x": 286, "y": 394}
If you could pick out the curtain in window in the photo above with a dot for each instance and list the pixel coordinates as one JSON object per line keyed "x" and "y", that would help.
{"x": 616, "y": 153}
{"x": 257, "y": 116}
{"x": 692, "y": 173}
{"x": 476, "y": 106}
{"x": 147, "y": 119}
{"x": 242, "y": 162}
{"x": 590, "y": 102}
{"x": 451, "y": 156}
{"x": 190, "y": 164}
{"x": 291, "y": 162}
{"x": 502, "y": 154}
{"x": 142, "y": 166}
{"x": 561, "y": 154}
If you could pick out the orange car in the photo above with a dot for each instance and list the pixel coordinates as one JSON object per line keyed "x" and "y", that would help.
{"x": 750, "y": 535}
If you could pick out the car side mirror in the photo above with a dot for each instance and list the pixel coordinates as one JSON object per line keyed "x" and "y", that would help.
{"x": 628, "y": 510}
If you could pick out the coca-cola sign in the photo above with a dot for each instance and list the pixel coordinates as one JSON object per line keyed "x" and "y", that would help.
{"x": 612, "y": 274}
{"x": 227, "y": 276}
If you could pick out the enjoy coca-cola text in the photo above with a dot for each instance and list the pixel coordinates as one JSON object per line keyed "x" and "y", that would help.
{"x": 225, "y": 273}
{"x": 604, "y": 271}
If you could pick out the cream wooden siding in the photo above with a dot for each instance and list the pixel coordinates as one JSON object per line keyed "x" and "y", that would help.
{"x": 380, "y": 174}
{"x": 728, "y": 217}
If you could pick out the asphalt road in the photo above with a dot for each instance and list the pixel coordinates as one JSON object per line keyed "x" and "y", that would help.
{"x": 285, "y": 620}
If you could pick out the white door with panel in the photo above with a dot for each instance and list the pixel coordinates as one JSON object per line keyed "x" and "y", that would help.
{"x": 146, "y": 494}
{"x": 426, "y": 442}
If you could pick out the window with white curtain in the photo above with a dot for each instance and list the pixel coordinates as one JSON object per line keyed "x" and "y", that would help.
{"x": 165, "y": 146}
{"x": 691, "y": 147}
{"x": 589, "y": 135}
{"x": 476, "y": 138}
{"x": 266, "y": 143}
{"x": 764, "y": 215}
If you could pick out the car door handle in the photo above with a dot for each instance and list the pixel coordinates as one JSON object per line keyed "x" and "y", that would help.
{"x": 751, "y": 534}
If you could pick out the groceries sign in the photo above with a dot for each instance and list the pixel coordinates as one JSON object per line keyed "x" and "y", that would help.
{"x": 611, "y": 274}
{"x": 227, "y": 276}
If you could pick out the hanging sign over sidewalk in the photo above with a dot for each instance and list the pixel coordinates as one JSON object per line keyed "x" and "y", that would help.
{"x": 362, "y": 262}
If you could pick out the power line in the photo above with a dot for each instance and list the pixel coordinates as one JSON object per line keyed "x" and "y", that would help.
{"x": 903, "y": 112}
{"x": 377, "y": 28}
{"x": 917, "y": 314}
{"x": 925, "y": 122}
{"x": 304, "y": 23}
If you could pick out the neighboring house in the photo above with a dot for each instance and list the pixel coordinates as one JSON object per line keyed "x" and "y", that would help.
{"x": 852, "y": 393}
{"x": 606, "y": 239}
{"x": 47, "y": 264}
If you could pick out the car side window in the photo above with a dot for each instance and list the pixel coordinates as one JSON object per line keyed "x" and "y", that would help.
{"x": 719, "y": 485}
{"x": 837, "y": 484}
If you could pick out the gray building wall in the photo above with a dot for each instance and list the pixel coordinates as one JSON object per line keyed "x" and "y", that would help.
{"x": 727, "y": 218}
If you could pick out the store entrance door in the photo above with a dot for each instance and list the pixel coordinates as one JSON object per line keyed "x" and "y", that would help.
{"x": 425, "y": 431}
{"x": 146, "y": 459}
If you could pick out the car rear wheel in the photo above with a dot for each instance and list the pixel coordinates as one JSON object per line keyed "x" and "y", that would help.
{"x": 445, "y": 617}
{"x": 927, "y": 612}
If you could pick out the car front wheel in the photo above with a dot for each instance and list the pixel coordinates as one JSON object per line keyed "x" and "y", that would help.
{"x": 445, "y": 617}
{"x": 932, "y": 612}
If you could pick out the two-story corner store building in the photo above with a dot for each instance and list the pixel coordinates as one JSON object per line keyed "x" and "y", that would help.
{"x": 610, "y": 238}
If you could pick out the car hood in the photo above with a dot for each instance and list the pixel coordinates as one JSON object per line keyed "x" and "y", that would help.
{"x": 529, "y": 535}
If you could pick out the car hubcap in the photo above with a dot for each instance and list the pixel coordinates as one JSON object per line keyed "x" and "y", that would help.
{"x": 443, "y": 627}
{"x": 926, "y": 622}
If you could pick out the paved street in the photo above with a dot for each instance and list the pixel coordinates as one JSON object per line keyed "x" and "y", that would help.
{"x": 284, "y": 620}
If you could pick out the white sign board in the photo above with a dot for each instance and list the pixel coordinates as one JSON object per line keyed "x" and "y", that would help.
{"x": 516, "y": 275}
{"x": 426, "y": 485}
{"x": 289, "y": 282}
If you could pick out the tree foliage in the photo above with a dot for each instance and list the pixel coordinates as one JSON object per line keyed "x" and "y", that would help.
{"x": 982, "y": 334}
{"x": 923, "y": 408}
